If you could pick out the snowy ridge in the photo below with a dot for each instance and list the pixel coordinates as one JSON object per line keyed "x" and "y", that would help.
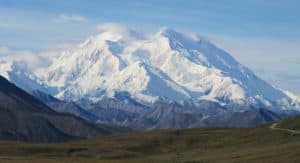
{"x": 21, "y": 75}
{"x": 295, "y": 100}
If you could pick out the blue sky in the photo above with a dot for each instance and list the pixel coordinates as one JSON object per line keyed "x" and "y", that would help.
{"x": 263, "y": 35}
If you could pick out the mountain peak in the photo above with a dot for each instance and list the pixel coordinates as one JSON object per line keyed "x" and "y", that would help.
{"x": 166, "y": 31}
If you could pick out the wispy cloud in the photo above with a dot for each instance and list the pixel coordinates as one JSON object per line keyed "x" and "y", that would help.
{"x": 70, "y": 18}
{"x": 4, "y": 50}
{"x": 32, "y": 60}
{"x": 111, "y": 27}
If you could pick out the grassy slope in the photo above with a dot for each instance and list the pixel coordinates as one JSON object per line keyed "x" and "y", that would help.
{"x": 292, "y": 123}
{"x": 191, "y": 145}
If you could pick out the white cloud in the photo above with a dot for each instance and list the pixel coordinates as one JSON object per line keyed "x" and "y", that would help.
{"x": 4, "y": 50}
{"x": 31, "y": 59}
{"x": 123, "y": 30}
{"x": 70, "y": 18}
{"x": 112, "y": 27}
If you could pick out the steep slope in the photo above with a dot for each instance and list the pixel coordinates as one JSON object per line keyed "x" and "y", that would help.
{"x": 23, "y": 117}
{"x": 63, "y": 106}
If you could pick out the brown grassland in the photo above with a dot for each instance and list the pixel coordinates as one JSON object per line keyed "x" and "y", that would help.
{"x": 259, "y": 144}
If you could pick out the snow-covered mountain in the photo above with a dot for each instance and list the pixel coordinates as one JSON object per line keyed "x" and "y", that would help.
{"x": 166, "y": 66}
{"x": 132, "y": 72}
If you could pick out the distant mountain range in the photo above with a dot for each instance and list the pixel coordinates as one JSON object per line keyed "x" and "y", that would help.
{"x": 162, "y": 80}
